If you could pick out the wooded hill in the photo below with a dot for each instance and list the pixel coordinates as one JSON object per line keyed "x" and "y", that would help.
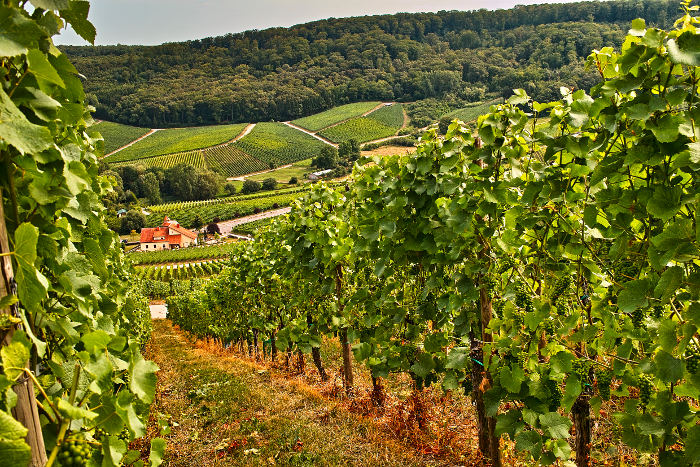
{"x": 286, "y": 73}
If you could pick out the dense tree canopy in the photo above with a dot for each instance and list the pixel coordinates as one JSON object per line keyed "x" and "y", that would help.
{"x": 280, "y": 74}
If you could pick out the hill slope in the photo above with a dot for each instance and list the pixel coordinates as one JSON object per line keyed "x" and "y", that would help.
{"x": 282, "y": 74}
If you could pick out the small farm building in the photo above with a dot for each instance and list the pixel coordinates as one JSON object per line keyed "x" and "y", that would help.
{"x": 168, "y": 236}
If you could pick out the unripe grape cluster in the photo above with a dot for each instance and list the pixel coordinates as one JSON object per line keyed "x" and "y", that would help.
{"x": 555, "y": 394}
{"x": 74, "y": 453}
{"x": 604, "y": 378}
{"x": 638, "y": 318}
{"x": 645, "y": 387}
{"x": 523, "y": 299}
{"x": 692, "y": 359}
{"x": 505, "y": 264}
{"x": 560, "y": 287}
{"x": 581, "y": 368}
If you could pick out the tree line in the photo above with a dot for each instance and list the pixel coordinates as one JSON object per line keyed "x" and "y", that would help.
{"x": 281, "y": 74}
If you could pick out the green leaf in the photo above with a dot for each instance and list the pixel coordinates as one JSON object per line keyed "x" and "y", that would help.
{"x": 11, "y": 428}
{"x": 669, "y": 282}
{"x": 509, "y": 422}
{"x": 633, "y": 296}
{"x": 529, "y": 441}
{"x": 142, "y": 375}
{"x": 17, "y": 131}
{"x": 77, "y": 16}
{"x": 686, "y": 49}
{"x": 113, "y": 451}
{"x": 32, "y": 286}
{"x": 555, "y": 425}
{"x": 424, "y": 365}
{"x": 638, "y": 27}
{"x": 51, "y": 4}
{"x": 15, "y": 355}
{"x": 669, "y": 368}
{"x": 42, "y": 69}
{"x": 73, "y": 412}
{"x": 458, "y": 358}
{"x": 96, "y": 341}
{"x": 692, "y": 445}
{"x": 14, "y": 452}
{"x": 157, "y": 452}
{"x": 512, "y": 378}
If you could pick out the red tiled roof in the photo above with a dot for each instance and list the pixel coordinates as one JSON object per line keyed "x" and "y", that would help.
{"x": 147, "y": 235}
{"x": 184, "y": 231}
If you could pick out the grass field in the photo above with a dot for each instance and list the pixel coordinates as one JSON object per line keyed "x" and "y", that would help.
{"x": 193, "y": 158}
{"x": 379, "y": 124}
{"x": 336, "y": 114}
{"x": 277, "y": 144}
{"x": 178, "y": 140}
{"x": 117, "y": 135}
{"x": 298, "y": 170}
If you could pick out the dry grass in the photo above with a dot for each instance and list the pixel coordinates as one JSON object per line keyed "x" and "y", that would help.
{"x": 389, "y": 151}
{"x": 229, "y": 409}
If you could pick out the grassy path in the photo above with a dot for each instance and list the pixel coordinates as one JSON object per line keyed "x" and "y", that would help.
{"x": 224, "y": 410}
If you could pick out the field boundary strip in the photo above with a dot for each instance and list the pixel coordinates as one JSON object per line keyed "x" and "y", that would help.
{"x": 153, "y": 130}
{"x": 310, "y": 133}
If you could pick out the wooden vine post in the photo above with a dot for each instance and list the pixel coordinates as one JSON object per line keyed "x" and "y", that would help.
{"x": 26, "y": 411}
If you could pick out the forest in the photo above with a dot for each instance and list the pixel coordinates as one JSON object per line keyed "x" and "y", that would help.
{"x": 286, "y": 73}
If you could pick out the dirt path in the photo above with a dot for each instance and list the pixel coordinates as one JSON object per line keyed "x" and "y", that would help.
{"x": 133, "y": 142}
{"x": 227, "y": 226}
{"x": 243, "y": 177}
{"x": 227, "y": 411}
{"x": 311, "y": 133}
{"x": 245, "y": 131}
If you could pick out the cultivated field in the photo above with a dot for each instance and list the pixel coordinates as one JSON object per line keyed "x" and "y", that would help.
{"x": 117, "y": 135}
{"x": 278, "y": 144}
{"x": 178, "y": 140}
{"x": 336, "y": 114}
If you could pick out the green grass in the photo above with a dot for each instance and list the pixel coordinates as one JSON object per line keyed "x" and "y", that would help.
{"x": 277, "y": 144}
{"x": 334, "y": 115}
{"x": 117, "y": 135}
{"x": 193, "y": 158}
{"x": 471, "y": 113}
{"x": 178, "y": 140}
{"x": 252, "y": 228}
{"x": 379, "y": 124}
{"x": 298, "y": 169}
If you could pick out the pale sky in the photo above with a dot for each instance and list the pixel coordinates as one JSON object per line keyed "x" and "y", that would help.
{"x": 151, "y": 22}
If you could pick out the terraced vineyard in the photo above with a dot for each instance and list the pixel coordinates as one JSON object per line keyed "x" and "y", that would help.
{"x": 252, "y": 228}
{"x": 381, "y": 123}
{"x": 194, "y": 158}
{"x": 469, "y": 114}
{"x": 184, "y": 254}
{"x": 166, "y": 208}
{"x": 238, "y": 207}
{"x": 181, "y": 271}
{"x": 336, "y": 114}
{"x": 117, "y": 135}
{"x": 277, "y": 144}
{"x": 178, "y": 140}
{"x": 230, "y": 161}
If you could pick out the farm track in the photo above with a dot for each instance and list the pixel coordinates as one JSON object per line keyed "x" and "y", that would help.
{"x": 242, "y": 178}
{"x": 227, "y": 226}
{"x": 311, "y": 133}
{"x": 133, "y": 142}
